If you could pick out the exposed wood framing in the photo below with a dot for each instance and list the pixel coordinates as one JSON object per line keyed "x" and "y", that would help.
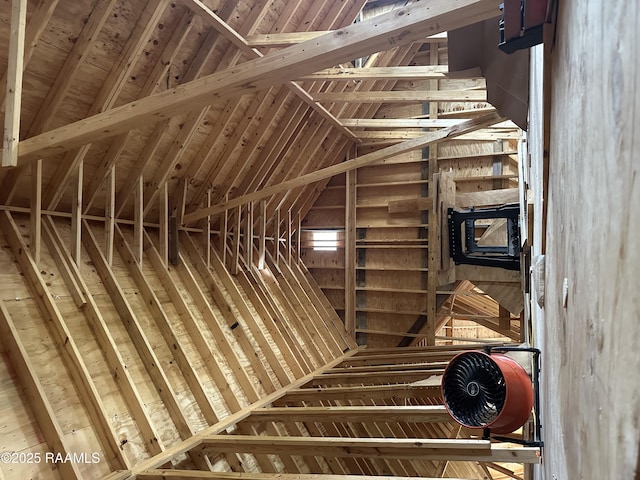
{"x": 14, "y": 72}
{"x": 352, "y": 42}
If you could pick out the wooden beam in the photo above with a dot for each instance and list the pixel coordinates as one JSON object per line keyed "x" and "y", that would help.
{"x": 76, "y": 215}
{"x": 488, "y": 197}
{"x": 40, "y": 405}
{"x": 163, "y": 233}
{"x": 402, "y": 448}
{"x": 138, "y": 217}
{"x": 409, "y": 96}
{"x": 413, "y": 123}
{"x": 36, "y": 209}
{"x": 262, "y": 234}
{"x": 380, "y": 73}
{"x": 350, "y": 254}
{"x": 15, "y": 68}
{"x": 164, "y": 474}
{"x": 398, "y": 27}
{"x": 362, "y": 392}
{"x": 109, "y": 214}
{"x": 273, "y": 40}
{"x": 377, "y": 157}
{"x": 395, "y": 413}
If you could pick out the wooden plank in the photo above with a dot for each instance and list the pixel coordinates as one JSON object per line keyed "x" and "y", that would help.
{"x": 136, "y": 333}
{"x": 262, "y": 234}
{"x": 109, "y": 215}
{"x": 65, "y": 342}
{"x": 446, "y": 197}
{"x": 272, "y": 40}
{"x": 163, "y": 232}
{"x": 163, "y": 474}
{"x": 350, "y": 255}
{"x": 406, "y": 413}
{"x": 63, "y": 80}
{"x": 35, "y": 216}
{"x": 380, "y": 73}
{"x": 409, "y": 96}
{"x": 37, "y": 398}
{"x": 76, "y": 215}
{"x": 15, "y": 68}
{"x": 411, "y": 205}
{"x": 402, "y": 448}
{"x": 413, "y": 123}
{"x": 362, "y": 393}
{"x": 488, "y": 198}
{"x": 388, "y": 30}
{"x": 377, "y": 157}
{"x": 138, "y": 217}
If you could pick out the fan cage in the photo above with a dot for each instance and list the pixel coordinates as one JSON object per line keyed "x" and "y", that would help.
{"x": 474, "y": 389}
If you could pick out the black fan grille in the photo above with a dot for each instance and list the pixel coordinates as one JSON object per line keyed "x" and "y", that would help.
{"x": 474, "y": 389}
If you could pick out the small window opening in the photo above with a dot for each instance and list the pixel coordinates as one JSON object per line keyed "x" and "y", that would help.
{"x": 325, "y": 240}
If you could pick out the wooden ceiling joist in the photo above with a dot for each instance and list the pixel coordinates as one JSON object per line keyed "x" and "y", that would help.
{"x": 395, "y": 28}
{"x": 408, "y": 413}
{"x": 411, "y": 448}
{"x": 404, "y": 96}
{"x": 380, "y": 73}
{"x": 274, "y": 40}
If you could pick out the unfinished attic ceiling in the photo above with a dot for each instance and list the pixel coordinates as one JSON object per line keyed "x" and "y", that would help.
{"x": 160, "y": 290}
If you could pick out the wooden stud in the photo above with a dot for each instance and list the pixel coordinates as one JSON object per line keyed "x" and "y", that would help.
{"x": 15, "y": 68}
{"x": 206, "y": 234}
{"x": 410, "y": 96}
{"x": 138, "y": 217}
{"x": 289, "y": 234}
{"x": 235, "y": 251}
{"x": 36, "y": 209}
{"x": 262, "y": 234}
{"x": 276, "y": 237}
{"x": 350, "y": 255}
{"x": 164, "y": 225}
{"x": 224, "y": 226}
{"x": 76, "y": 216}
{"x": 109, "y": 214}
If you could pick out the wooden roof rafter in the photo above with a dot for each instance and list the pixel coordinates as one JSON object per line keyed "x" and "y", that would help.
{"x": 354, "y": 41}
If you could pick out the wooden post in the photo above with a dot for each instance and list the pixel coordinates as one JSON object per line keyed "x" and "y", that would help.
{"x": 224, "y": 226}
{"x": 138, "y": 216}
{"x": 76, "y": 217}
{"x": 36, "y": 209}
{"x": 206, "y": 233}
{"x": 109, "y": 215}
{"x": 262, "y": 242}
{"x": 350, "y": 255}
{"x": 289, "y": 235}
{"x": 164, "y": 224}
{"x": 236, "y": 241}
{"x": 276, "y": 237}
{"x": 15, "y": 69}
